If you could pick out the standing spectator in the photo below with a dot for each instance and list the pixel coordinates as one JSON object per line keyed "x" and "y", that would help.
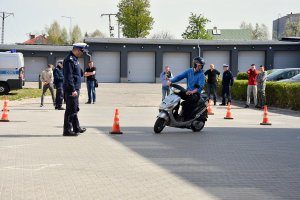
{"x": 164, "y": 77}
{"x": 212, "y": 74}
{"x": 227, "y": 82}
{"x": 251, "y": 88}
{"x": 22, "y": 75}
{"x": 47, "y": 82}
{"x": 261, "y": 87}
{"x": 72, "y": 84}
{"x": 58, "y": 82}
{"x": 90, "y": 82}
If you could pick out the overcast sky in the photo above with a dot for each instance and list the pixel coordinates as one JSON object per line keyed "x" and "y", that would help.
{"x": 31, "y": 16}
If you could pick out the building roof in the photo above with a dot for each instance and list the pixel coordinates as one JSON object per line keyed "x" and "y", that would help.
{"x": 124, "y": 41}
{"x": 185, "y": 42}
{"x": 230, "y": 34}
{"x": 23, "y": 47}
{"x": 40, "y": 39}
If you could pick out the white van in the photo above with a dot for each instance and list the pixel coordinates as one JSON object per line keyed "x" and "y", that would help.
{"x": 11, "y": 71}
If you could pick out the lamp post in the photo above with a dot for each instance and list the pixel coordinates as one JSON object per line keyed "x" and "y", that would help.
{"x": 70, "y": 28}
{"x": 4, "y": 15}
{"x": 110, "y": 27}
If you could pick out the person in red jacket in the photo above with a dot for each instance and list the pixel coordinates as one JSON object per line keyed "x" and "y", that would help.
{"x": 252, "y": 87}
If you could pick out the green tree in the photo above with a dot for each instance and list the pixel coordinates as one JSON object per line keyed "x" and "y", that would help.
{"x": 162, "y": 35}
{"x": 259, "y": 32}
{"x": 64, "y": 36}
{"x": 54, "y": 33}
{"x": 134, "y": 18}
{"x": 97, "y": 34}
{"x": 292, "y": 28}
{"x": 196, "y": 28}
{"x": 57, "y": 35}
{"x": 76, "y": 35}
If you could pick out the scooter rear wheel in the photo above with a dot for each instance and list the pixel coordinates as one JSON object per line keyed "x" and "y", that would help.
{"x": 197, "y": 126}
{"x": 159, "y": 125}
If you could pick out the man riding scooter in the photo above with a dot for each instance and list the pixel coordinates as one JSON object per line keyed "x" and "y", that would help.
{"x": 195, "y": 83}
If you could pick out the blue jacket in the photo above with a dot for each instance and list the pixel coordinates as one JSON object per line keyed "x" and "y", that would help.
{"x": 193, "y": 79}
{"x": 72, "y": 73}
{"x": 58, "y": 76}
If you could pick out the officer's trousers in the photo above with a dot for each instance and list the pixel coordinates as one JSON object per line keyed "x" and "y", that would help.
{"x": 72, "y": 108}
{"x": 226, "y": 93}
{"x": 59, "y": 95}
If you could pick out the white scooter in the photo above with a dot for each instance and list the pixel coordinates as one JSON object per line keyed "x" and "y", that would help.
{"x": 169, "y": 106}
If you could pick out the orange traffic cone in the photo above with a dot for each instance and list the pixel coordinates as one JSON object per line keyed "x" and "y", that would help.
{"x": 116, "y": 125}
{"x": 228, "y": 114}
{"x": 266, "y": 117}
{"x": 4, "y": 117}
{"x": 209, "y": 108}
{"x": 5, "y": 104}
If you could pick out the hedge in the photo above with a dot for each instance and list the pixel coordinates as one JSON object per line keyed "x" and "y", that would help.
{"x": 242, "y": 76}
{"x": 278, "y": 94}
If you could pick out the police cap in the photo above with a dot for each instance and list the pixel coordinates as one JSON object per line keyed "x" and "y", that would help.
{"x": 82, "y": 46}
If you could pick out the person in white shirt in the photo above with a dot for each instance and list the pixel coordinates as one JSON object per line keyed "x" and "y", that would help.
{"x": 47, "y": 81}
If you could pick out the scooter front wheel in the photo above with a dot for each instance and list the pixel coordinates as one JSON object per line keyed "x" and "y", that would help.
{"x": 159, "y": 125}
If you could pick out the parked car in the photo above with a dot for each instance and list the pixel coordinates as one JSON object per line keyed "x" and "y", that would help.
{"x": 281, "y": 74}
{"x": 292, "y": 80}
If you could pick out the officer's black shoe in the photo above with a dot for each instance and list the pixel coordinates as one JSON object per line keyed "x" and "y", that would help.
{"x": 70, "y": 133}
{"x": 60, "y": 108}
{"x": 222, "y": 104}
{"x": 88, "y": 102}
{"x": 81, "y": 130}
{"x": 246, "y": 106}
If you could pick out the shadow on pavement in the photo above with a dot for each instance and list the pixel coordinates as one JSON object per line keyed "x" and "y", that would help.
{"x": 227, "y": 162}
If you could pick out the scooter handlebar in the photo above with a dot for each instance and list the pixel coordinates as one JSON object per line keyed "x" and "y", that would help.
{"x": 181, "y": 89}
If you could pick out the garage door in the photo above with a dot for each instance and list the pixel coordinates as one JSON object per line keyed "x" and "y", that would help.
{"x": 246, "y": 58}
{"x": 178, "y": 62}
{"x": 218, "y": 58}
{"x": 108, "y": 66}
{"x": 33, "y": 67}
{"x": 286, "y": 59}
{"x": 141, "y": 67}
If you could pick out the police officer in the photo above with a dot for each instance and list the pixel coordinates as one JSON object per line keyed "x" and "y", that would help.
{"x": 58, "y": 82}
{"x": 72, "y": 84}
{"x": 227, "y": 82}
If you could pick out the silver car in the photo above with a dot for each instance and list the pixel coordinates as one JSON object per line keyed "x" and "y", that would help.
{"x": 292, "y": 80}
{"x": 281, "y": 74}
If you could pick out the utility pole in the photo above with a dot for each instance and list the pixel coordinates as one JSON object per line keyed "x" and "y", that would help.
{"x": 70, "y": 28}
{"x": 111, "y": 28}
{"x": 3, "y": 16}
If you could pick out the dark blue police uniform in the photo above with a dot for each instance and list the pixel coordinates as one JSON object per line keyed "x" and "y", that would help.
{"x": 227, "y": 82}
{"x": 58, "y": 82}
{"x": 72, "y": 83}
